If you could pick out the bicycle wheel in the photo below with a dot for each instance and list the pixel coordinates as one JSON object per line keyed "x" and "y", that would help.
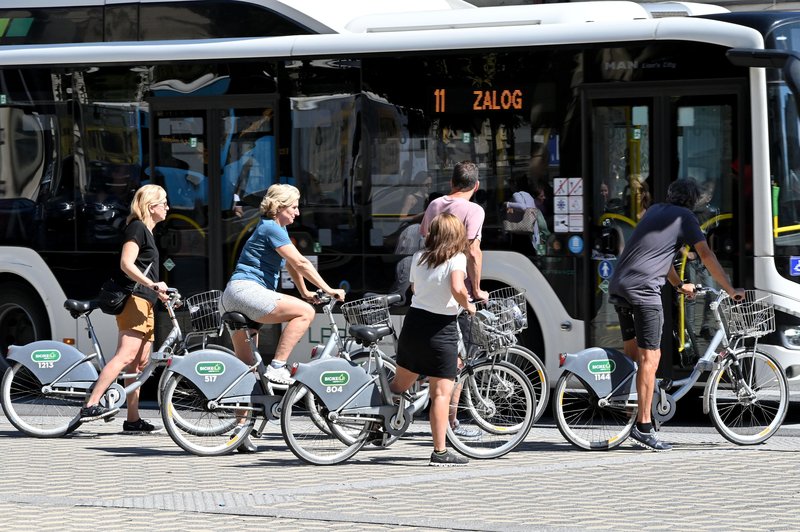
{"x": 198, "y": 429}
{"x": 583, "y": 422}
{"x": 310, "y": 443}
{"x": 165, "y": 373}
{"x": 533, "y": 367}
{"x": 748, "y": 407}
{"x": 495, "y": 409}
{"x": 34, "y": 412}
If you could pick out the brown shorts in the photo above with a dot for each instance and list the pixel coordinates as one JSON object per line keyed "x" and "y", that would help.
{"x": 137, "y": 316}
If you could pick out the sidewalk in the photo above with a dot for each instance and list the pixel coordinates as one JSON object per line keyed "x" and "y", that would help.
{"x": 102, "y": 479}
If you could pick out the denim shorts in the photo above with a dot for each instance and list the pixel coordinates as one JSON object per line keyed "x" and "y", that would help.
{"x": 250, "y": 298}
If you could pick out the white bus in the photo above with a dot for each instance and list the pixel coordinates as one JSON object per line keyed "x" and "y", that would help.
{"x": 594, "y": 107}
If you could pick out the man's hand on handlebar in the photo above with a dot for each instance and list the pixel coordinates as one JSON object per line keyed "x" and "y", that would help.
{"x": 481, "y": 295}
{"x": 737, "y": 295}
{"x": 687, "y": 289}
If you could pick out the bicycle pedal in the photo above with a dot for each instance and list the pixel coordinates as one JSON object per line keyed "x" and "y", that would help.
{"x": 108, "y": 419}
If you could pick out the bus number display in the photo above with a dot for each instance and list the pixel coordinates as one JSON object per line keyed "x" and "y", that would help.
{"x": 455, "y": 100}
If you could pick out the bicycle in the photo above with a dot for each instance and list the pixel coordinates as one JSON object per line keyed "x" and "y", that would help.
{"x": 357, "y": 405}
{"x": 48, "y": 381}
{"x": 746, "y": 394}
{"x": 213, "y": 402}
{"x": 504, "y": 345}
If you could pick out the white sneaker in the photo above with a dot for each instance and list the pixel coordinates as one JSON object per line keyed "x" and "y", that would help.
{"x": 279, "y": 375}
{"x": 247, "y": 446}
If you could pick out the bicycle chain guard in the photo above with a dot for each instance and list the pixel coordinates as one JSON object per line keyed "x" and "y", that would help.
{"x": 114, "y": 396}
{"x": 664, "y": 406}
{"x": 408, "y": 419}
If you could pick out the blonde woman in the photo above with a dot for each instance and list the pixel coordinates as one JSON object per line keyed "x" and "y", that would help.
{"x": 428, "y": 343}
{"x": 252, "y": 289}
{"x": 139, "y": 263}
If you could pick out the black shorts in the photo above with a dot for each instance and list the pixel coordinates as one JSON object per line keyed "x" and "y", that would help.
{"x": 643, "y": 322}
{"x": 428, "y": 344}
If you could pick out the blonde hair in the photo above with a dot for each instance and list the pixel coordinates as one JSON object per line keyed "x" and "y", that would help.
{"x": 144, "y": 197}
{"x": 278, "y": 196}
{"x": 446, "y": 238}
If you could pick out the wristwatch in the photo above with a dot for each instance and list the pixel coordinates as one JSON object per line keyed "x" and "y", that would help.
{"x": 679, "y": 286}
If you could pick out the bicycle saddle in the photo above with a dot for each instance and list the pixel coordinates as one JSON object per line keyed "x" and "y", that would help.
{"x": 76, "y": 307}
{"x": 368, "y": 334}
{"x": 237, "y": 320}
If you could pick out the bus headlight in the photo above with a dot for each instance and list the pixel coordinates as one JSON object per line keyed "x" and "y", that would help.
{"x": 791, "y": 336}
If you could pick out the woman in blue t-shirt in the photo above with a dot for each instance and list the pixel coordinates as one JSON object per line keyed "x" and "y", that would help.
{"x": 252, "y": 289}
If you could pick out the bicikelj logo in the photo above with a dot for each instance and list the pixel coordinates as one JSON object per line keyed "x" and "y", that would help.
{"x": 209, "y": 368}
{"x": 334, "y": 378}
{"x": 46, "y": 355}
{"x": 602, "y": 366}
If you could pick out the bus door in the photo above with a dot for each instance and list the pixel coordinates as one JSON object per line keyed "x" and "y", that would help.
{"x": 639, "y": 140}
{"x": 215, "y": 157}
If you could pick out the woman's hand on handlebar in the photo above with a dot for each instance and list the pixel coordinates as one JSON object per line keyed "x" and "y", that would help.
{"x": 337, "y": 294}
{"x": 311, "y": 297}
{"x": 471, "y": 309}
{"x": 161, "y": 289}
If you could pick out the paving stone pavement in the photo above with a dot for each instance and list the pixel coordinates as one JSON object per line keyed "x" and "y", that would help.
{"x": 100, "y": 478}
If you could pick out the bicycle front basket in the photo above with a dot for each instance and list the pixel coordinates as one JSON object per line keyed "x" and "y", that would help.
{"x": 503, "y": 315}
{"x": 367, "y": 311}
{"x": 753, "y": 317}
{"x": 204, "y": 311}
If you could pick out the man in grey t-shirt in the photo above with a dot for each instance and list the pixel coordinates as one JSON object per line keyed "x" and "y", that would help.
{"x": 642, "y": 269}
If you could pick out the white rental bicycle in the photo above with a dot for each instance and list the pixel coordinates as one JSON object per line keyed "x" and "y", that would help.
{"x": 47, "y": 381}
{"x": 746, "y": 393}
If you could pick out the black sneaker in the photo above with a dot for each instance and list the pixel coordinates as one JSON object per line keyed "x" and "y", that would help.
{"x": 649, "y": 440}
{"x": 95, "y": 412}
{"x": 447, "y": 459}
{"x": 139, "y": 426}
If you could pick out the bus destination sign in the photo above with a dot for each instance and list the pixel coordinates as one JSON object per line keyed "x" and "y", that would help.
{"x": 466, "y": 100}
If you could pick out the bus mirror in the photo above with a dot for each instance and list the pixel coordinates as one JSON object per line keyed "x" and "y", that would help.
{"x": 746, "y": 57}
{"x": 787, "y": 61}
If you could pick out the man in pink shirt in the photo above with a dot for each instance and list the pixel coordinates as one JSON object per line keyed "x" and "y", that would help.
{"x": 463, "y": 185}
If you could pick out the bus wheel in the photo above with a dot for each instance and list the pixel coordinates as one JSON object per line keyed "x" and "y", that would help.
{"x": 22, "y": 317}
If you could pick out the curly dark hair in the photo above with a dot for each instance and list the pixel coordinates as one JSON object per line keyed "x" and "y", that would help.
{"x": 684, "y": 192}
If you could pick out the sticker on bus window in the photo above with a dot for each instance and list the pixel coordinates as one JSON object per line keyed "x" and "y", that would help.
{"x": 794, "y": 266}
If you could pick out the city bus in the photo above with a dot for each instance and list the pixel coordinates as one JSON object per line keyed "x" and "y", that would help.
{"x": 594, "y": 107}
